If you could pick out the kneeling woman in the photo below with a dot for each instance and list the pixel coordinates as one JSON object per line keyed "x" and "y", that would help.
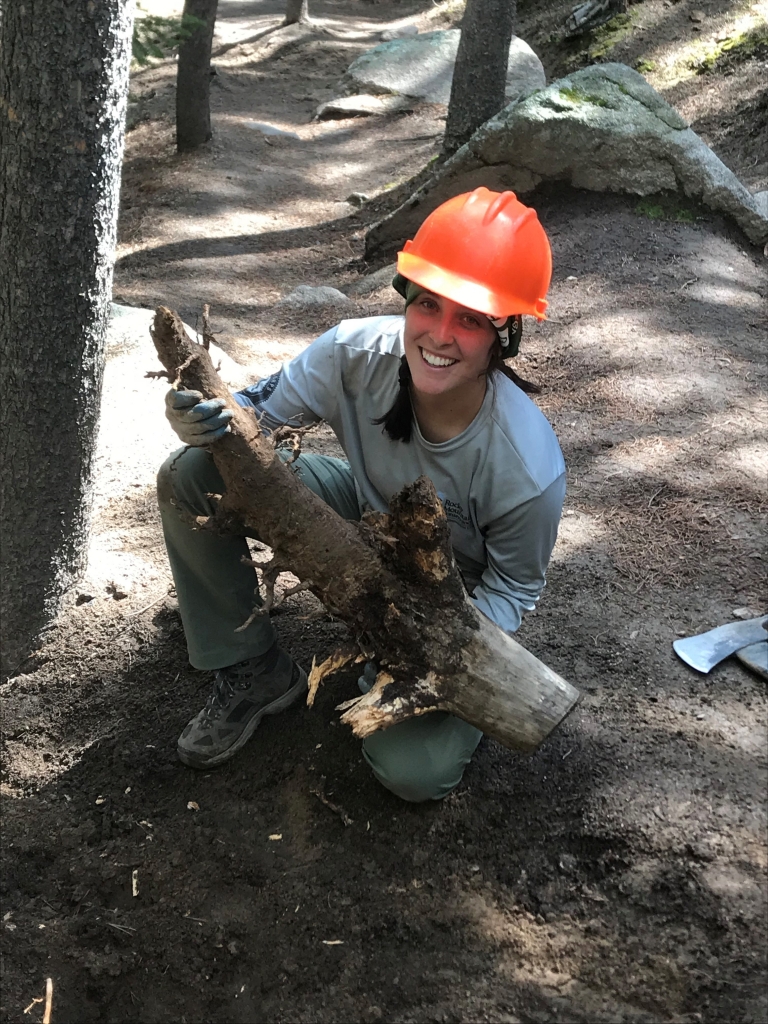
{"x": 427, "y": 393}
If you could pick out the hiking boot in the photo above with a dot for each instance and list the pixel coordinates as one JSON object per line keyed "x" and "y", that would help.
{"x": 242, "y": 694}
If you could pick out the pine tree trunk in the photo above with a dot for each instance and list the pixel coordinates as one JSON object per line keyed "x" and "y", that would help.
{"x": 63, "y": 92}
{"x": 480, "y": 74}
{"x": 296, "y": 12}
{"x": 392, "y": 579}
{"x": 193, "y": 78}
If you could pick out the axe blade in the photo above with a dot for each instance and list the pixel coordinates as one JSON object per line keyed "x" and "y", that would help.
{"x": 706, "y": 650}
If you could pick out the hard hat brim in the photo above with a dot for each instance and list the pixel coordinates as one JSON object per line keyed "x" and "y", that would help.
{"x": 460, "y": 289}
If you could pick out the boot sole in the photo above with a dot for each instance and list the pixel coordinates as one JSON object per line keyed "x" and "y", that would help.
{"x": 281, "y": 704}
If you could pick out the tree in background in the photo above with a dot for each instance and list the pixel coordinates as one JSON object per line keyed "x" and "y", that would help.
{"x": 479, "y": 78}
{"x": 193, "y": 79}
{"x": 63, "y": 94}
{"x": 296, "y": 12}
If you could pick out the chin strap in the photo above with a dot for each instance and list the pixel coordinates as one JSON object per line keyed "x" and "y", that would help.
{"x": 510, "y": 331}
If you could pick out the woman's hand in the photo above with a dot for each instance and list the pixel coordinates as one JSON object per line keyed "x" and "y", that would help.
{"x": 195, "y": 421}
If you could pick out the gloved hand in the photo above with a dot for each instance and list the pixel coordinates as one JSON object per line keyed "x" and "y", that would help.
{"x": 195, "y": 421}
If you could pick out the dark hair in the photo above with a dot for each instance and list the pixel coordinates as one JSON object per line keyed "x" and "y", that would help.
{"x": 398, "y": 422}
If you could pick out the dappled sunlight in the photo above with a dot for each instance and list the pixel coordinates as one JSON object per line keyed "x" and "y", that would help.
{"x": 660, "y": 394}
{"x": 751, "y": 460}
{"x": 676, "y": 64}
{"x": 610, "y": 875}
{"x": 578, "y": 531}
{"x": 724, "y": 722}
{"x": 717, "y": 450}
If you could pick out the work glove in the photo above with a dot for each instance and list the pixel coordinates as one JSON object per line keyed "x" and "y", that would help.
{"x": 195, "y": 421}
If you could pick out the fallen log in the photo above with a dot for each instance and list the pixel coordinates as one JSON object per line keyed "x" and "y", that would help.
{"x": 391, "y": 578}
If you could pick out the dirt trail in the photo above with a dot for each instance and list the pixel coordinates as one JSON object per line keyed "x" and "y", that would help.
{"x": 617, "y": 875}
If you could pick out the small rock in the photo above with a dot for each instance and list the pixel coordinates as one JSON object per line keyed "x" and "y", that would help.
{"x": 307, "y": 295}
{"x": 743, "y": 613}
{"x": 398, "y": 33}
{"x": 270, "y": 129}
{"x": 357, "y": 199}
{"x": 700, "y": 852}
{"x": 567, "y": 863}
{"x": 697, "y": 16}
{"x": 362, "y": 105}
{"x": 373, "y": 282}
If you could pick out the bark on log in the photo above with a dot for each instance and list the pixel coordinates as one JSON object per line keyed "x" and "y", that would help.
{"x": 391, "y": 578}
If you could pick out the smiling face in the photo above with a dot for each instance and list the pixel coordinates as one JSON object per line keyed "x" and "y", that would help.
{"x": 447, "y": 346}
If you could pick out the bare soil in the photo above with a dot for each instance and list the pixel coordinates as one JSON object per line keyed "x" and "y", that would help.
{"x": 619, "y": 874}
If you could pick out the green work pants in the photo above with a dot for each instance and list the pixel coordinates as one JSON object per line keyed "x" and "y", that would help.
{"x": 422, "y": 758}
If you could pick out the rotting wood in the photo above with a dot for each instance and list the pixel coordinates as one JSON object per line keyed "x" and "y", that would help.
{"x": 391, "y": 578}
{"x": 338, "y": 660}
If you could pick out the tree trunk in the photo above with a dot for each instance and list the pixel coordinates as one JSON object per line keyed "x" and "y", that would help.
{"x": 193, "y": 78}
{"x": 63, "y": 92}
{"x": 480, "y": 74}
{"x": 296, "y": 12}
{"x": 392, "y": 579}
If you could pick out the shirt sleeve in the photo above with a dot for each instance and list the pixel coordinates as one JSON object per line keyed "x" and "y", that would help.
{"x": 518, "y": 548}
{"x": 302, "y": 392}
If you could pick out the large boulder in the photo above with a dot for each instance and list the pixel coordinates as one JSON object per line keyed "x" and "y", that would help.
{"x": 602, "y": 128}
{"x": 421, "y": 67}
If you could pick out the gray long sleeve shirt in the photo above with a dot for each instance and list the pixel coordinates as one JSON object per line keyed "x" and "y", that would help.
{"x": 501, "y": 481}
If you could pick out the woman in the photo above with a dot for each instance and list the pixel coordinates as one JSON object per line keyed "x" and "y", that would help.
{"x": 428, "y": 393}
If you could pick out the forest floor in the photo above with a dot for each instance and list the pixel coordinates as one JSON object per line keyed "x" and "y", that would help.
{"x": 619, "y": 874}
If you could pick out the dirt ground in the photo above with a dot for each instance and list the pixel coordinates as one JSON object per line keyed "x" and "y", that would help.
{"x": 619, "y": 874}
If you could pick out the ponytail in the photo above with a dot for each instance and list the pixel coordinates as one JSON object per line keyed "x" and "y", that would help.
{"x": 398, "y": 422}
{"x": 497, "y": 363}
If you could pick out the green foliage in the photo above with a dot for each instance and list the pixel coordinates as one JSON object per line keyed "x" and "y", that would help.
{"x": 608, "y": 35}
{"x": 645, "y": 66}
{"x": 158, "y": 37}
{"x": 666, "y": 209}
{"x": 577, "y": 96}
{"x": 740, "y": 46}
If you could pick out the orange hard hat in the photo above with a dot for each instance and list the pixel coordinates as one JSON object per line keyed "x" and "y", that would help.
{"x": 484, "y": 250}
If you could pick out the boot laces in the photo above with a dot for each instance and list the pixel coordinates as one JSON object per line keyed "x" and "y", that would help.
{"x": 226, "y": 683}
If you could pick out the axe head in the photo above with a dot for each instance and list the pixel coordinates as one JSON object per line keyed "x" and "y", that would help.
{"x": 706, "y": 650}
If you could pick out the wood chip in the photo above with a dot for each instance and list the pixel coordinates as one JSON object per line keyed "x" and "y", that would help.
{"x": 48, "y": 1001}
{"x": 332, "y": 806}
{"x": 275, "y": 836}
{"x": 333, "y": 942}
